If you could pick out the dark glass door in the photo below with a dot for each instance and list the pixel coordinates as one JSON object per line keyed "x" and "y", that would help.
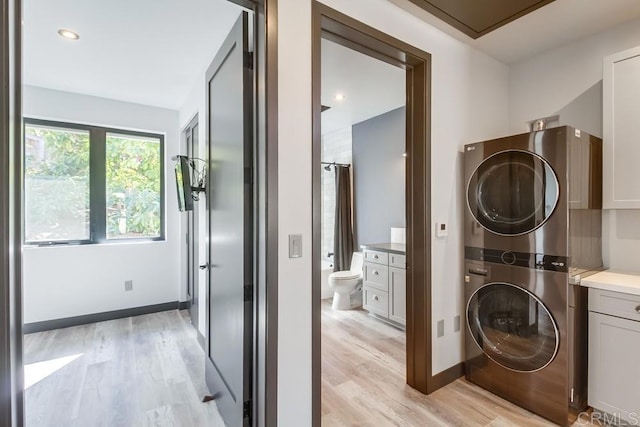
{"x": 512, "y": 327}
{"x": 512, "y": 192}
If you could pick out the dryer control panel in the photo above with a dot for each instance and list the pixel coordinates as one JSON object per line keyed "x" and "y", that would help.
{"x": 518, "y": 259}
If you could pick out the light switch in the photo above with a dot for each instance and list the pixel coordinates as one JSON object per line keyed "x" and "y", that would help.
{"x": 295, "y": 245}
{"x": 441, "y": 229}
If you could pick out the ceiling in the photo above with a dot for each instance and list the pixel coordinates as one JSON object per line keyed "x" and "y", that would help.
{"x": 370, "y": 87}
{"x": 553, "y": 25}
{"x": 144, "y": 51}
{"x": 154, "y": 51}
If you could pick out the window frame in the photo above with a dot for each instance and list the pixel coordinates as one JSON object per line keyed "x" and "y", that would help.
{"x": 97, "y": 182}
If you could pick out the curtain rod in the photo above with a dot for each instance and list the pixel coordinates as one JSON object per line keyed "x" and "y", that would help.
{"x": 345, "y": 165}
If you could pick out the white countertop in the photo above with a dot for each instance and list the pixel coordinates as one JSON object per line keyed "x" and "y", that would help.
{"x": 616, "y": 281}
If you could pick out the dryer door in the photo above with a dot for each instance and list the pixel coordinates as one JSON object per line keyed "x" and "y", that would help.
{"x": 512, "y": 192}
{"x": 512, "y": 327}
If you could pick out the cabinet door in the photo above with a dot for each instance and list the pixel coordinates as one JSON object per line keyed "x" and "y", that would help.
{"x": 621, "y": 127}
{"x": 614, "y": 345}
{"x": 398, "y": 295}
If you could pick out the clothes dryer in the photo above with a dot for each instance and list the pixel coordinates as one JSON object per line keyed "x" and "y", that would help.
{"x": 520, "y": 189}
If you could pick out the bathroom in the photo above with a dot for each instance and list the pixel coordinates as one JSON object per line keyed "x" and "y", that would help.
{"x": 363, "y": 219}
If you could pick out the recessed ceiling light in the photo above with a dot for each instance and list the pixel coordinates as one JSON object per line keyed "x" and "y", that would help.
{"x": 339, "y": 97}
{"x": 68, "y": 34}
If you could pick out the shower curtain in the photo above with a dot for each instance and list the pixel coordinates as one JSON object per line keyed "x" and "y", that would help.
{"x": 343, "y": 230}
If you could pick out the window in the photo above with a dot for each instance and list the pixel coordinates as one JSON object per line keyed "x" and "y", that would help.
{"x": 88, "y": 184}
{"x": 133, "y": 186}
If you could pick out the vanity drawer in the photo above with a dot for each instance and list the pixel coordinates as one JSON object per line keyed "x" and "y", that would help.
{"x": 376, "y": 275}
{"x": 614, "y": 303}
{"x": 377, "y": 257}
{"x": 397, "y": 260}
{"x": 376, "y": 301}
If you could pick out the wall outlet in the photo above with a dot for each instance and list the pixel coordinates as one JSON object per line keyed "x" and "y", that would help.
{"x": 456, "y": 323}
{"x": 128, "y": 285}
{"x": 440, "y": 328}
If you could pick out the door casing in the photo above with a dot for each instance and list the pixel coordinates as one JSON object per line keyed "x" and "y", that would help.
{"x": 11, "y": 365}
{"x": 346, "y": 31}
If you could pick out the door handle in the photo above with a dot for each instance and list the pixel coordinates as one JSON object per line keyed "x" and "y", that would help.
{"x": 205, "y": 266}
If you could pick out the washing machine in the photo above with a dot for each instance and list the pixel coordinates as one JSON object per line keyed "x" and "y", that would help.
{"x": 526, "y": 333}
{"x": 521, "y": 189}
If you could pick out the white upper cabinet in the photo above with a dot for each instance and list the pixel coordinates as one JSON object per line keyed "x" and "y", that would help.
{"x": 621, "y": 126}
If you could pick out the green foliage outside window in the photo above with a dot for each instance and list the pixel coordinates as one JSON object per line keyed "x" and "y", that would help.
{"x": 57, "y": 185}
{"x": 133, "y": 187}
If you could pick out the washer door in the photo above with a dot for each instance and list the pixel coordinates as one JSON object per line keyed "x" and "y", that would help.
{"x": 512, "y": 327}
{"x": 512, "y": 192}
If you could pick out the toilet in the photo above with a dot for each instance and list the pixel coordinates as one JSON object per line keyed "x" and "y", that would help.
{"x": 347, "y": 283}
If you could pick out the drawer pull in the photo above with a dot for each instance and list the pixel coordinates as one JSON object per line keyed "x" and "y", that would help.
{"x": 375, "y": 298}
{"x": 375, "y": 272}
{"x": 375, "y": 257}
{"x": 638, "y": 309}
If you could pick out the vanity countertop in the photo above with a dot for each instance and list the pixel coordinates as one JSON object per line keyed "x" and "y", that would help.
{"x": 616, "y": 281}
{"x": 396, "y": 248}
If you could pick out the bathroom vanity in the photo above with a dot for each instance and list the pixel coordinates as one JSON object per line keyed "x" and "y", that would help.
{"x": 384, "y": 291}
{"x": 614, "y": 344}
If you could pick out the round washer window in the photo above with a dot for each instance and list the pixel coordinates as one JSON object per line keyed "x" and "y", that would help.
{"x": 512, "y": 327}
{"x": 512, "y": 192}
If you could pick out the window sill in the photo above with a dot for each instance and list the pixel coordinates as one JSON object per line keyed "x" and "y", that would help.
{"x": 114, "y": 242}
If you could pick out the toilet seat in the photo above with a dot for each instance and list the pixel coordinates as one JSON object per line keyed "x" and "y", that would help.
{"x": 344, "y": 275}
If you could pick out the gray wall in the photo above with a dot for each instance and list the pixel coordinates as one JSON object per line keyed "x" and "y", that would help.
{"x": 379, "y": 176}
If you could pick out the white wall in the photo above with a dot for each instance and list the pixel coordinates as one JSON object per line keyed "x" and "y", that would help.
{"x": 565, "y": 78}
{"x": 65, "y": 281}
{"x": 568, "y": 80}
{"x": 469, "y": 103}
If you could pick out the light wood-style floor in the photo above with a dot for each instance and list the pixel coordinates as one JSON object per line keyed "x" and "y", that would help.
{"x": 363, "y": 383}
{"x": 139, "y": 371}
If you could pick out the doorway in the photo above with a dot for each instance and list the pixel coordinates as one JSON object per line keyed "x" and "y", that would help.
{"x": 336, "y": 27}
{"x": 363, "y": 231}
{"x": 191, "y": 136}
{"x": 11, "y": 58}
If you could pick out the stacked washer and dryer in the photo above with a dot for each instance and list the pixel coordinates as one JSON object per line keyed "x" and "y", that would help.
{"x": 532, "y": 229}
